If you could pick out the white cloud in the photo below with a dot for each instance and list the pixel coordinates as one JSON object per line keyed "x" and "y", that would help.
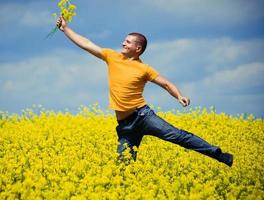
{"x": 244, "y": 76}
{"x": 210, "y": 72}
{"x": 29, "y": 14}
{"x": 188, "y": 59}
{"x": 8, "y": 86}
{"x": 223, "y": 82}
{"x": 224, "y": 11}
{"x": 63, "y": 66}
{"x": 61, "y": 76}
{"x": 231, "y": 91}
{"x": 36, "y": 18}
{"x": 101, "y": 35}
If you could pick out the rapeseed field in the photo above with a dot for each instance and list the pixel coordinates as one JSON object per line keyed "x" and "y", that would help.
{"x": 59, "y": 155}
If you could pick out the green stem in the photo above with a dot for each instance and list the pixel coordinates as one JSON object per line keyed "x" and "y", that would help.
{"x": 53, "y": 31}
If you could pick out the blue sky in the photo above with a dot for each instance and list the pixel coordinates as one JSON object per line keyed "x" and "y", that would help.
{"x": 211, "y": 49}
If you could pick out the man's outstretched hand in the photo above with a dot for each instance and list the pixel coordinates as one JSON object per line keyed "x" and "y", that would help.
{"x": 61, "y": 23}
{"x": 184, "y": 101}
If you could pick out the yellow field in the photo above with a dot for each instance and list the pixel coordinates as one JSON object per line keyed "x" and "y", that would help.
{"x": 64, "y": 156}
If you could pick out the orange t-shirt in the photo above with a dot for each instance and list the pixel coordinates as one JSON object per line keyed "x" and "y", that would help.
{"x": 127, "y": 79}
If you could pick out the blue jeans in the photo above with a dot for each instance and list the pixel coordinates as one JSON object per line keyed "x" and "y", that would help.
{"x": 144, "y": 121}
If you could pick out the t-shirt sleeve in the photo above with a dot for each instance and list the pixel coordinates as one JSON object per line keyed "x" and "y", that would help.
{"x": 105, "y": 53}
{"x": 151, "y": 73}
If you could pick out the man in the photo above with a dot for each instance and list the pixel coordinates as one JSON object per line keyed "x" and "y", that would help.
{"x": 127, "y": 76}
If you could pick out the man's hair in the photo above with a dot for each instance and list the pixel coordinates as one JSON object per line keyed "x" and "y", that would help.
{"x": 141, "y": 40}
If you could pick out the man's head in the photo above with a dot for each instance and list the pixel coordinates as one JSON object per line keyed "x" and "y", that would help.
{"x": 134, "y": 44}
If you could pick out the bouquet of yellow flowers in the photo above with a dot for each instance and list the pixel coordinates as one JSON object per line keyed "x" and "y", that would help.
{"x": 67, "y": 10}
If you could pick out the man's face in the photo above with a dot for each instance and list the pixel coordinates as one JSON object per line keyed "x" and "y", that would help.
{"x": 130, "y": 46}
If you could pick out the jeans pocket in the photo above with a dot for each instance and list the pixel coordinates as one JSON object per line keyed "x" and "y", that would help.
{"x": 144, "y": 111}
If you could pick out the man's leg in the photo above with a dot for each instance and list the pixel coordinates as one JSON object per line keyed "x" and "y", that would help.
{"x": 128, "y": 138}
{"x": 156, "y": 126}
{"x": 124, "y": 144}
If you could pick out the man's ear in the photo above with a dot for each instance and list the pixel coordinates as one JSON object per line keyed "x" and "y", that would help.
{"x": 139, "y": 48}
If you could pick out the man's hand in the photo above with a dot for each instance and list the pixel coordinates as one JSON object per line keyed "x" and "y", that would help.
{"x": 184, "y": 101}
{"x": 61, "y": 23}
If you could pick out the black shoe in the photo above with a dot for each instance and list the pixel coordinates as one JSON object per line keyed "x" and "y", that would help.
{"x": 226, "y": 158}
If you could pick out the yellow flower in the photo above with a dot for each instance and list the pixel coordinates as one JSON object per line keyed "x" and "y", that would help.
{"x": 67, "y": 10}
{"x": 72, "y": 7}
{"x": 52, "y": 155}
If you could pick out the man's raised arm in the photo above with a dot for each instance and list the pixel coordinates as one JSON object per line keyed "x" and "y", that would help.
{"x": 172, "y": 89}
{"x": 79, "y": 40}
